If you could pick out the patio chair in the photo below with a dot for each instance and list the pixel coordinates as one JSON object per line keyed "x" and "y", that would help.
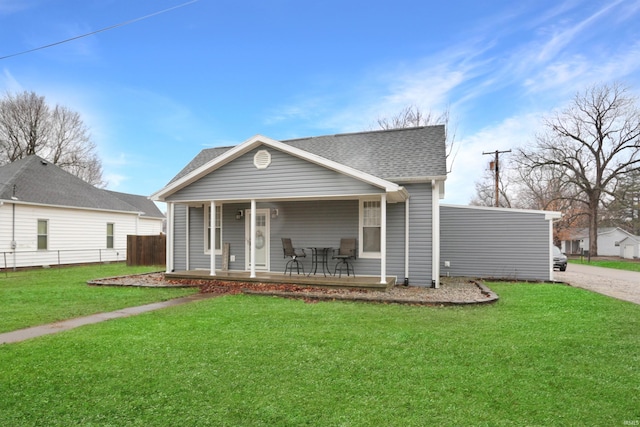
{"x": 294, "y": 254}
{"x": 344, "y": 254}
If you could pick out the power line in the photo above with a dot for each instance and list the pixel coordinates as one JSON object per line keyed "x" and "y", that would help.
{"x": 100, "y": 30}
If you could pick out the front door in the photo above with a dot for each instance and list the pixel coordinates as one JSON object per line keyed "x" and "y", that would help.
{"x": 262, "y": 239}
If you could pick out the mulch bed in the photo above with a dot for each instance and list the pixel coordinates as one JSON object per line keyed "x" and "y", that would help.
{"x": 452, "y": 291}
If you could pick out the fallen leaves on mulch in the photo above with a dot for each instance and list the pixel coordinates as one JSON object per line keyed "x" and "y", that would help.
{"x": 451, "y": 291}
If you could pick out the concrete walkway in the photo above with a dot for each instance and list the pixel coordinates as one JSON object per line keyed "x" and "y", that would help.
{"x": 620, "y": 284}
{"x": 52, "y": 328}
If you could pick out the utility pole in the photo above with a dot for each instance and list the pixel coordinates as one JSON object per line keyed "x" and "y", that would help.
{"x": 496, "y": 169}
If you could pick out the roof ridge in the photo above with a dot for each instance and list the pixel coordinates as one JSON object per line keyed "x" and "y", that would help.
{"x": 364, "y": 132}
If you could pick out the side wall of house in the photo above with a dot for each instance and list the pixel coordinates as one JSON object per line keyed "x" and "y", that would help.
{"x": 498, "y": 243}
{"x": 607, "y": 243}
{"x": 149, "y": 226}
{"x": 74, "y": 235}
{"x": 180, "y": 237}
{"x": 420, "y": 234}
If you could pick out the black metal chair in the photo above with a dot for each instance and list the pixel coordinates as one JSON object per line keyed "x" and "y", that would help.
{"x": 294, "y": 254}
{"x": 346, "y": 252}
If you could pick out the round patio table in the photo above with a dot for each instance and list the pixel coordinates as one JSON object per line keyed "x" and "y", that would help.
{"x": 319, "y": 255}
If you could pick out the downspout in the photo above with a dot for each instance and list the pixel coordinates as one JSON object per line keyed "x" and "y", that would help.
{"x": 14, "y": 244}
{"x": 551, "y": 273}
{"x": 13, "y": 234}
{"x": 406, "y": 242}
{"x": 435, "y": 230}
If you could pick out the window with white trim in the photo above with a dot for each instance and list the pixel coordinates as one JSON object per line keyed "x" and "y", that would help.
{"x": 207, "y": 228}
{"x": 43, "y": 234}
{"x": 370, "y": 228}
{"x": 110, "y": 235}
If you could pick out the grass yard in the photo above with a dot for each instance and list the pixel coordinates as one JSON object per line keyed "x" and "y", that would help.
{"x": 35, "y": 297}
{"x": 618, "y": 264}
{"x": 543, "y": 355}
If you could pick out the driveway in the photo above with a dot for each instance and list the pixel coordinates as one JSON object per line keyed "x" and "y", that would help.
{"x": 620, "y": 284}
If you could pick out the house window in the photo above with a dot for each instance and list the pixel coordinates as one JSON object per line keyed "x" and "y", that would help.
{"x": 218, "y": 228}
{"x": 43, "y": 234}
{"x": 371, "y": 227}
{"x": 110, "y": 235}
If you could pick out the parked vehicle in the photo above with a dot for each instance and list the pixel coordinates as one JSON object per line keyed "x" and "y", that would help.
{"x": 559, "y": 259}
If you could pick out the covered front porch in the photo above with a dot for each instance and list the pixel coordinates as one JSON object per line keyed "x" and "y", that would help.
{"x": 318, "y": 280}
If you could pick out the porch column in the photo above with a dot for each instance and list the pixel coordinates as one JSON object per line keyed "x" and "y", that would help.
{"x": 383, "y": 238}
{"x": 406, "y": 238}
{"x": 169, "y": 242}
{"x": 187, "y": 253}
{"x": 252, "y": 240}
{"x": 212, "y": 249}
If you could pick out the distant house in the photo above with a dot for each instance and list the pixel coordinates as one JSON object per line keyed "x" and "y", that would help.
{"x": 49, "y": 216}
{"x": 630, "y": 247}
{"x": 382, "y": 188}
{"x": 610, "y": 242}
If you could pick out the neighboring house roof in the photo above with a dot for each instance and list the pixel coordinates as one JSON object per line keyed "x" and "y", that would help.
{"x": 35, "y": 180}
{"x": 583, "y": 233}
{"x": 141, "y": 203}
{"x": 398, "y": 155}
{"x": 633, "y": 239}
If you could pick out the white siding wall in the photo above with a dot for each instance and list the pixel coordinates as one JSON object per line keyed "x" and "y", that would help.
{"x": 149, "y": 226}
{"x": 607, "y": 243}
{"x": 74, "y": 235}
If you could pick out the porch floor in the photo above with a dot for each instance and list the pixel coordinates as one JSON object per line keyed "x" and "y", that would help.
{"x": 319, "y": 280}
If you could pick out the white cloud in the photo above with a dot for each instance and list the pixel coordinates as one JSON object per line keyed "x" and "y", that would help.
{"x": 470, "y": 163}
{"x": 7, "y": 7}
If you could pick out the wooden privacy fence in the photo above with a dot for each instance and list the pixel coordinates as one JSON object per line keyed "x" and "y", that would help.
{"x": 146, "y": 250}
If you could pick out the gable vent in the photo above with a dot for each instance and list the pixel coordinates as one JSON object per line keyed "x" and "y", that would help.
{"x": 262, "y": 159}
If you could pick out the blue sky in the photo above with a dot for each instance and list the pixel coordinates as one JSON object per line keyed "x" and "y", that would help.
{"x": 211, "y": 73}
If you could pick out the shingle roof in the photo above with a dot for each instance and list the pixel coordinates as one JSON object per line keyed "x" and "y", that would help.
{"x": 395, "y": 155}
{"x": 141, "y": 203}
{"x": 35, "y": 180}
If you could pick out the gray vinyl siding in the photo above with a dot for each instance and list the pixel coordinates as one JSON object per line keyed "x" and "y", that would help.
{"x": 287, "y": 176}
{"x": 420, "y": 234}
{"x": 395, "y": 240}
{"x": 487, "y": 243}
{"x": 309, "y": 223}
{"x": 179, "y": 238}
{"x": 197, "y": 255}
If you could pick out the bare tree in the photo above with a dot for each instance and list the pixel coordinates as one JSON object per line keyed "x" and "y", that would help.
{"x": 412, "y": 116}
{"x": 28, "y": 125}
{"x": 594, "y": 142}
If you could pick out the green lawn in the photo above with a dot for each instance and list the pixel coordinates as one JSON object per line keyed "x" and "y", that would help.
{"x": 35, "y": 297}
{"x": 618, "y": 264}
{"x": 543, "y": 355}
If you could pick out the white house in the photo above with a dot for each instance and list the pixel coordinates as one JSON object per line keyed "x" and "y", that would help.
{"x": 630, "y": 247}
{"x": 49, "y": 216}
{"x": 610, "y": 242}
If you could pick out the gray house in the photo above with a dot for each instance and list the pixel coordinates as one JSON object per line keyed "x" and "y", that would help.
{"x": 382, "y": 188}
